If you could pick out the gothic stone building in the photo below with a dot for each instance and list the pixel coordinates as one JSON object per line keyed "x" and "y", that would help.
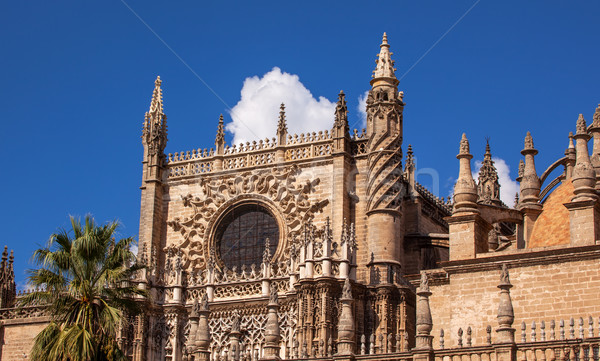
{"x": 323, "y": 246}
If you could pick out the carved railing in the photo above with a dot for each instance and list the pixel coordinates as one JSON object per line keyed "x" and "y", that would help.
{"x": 256, "y": 154}
{"x": 25, "y": 312}
{"x": 445, "y": 207}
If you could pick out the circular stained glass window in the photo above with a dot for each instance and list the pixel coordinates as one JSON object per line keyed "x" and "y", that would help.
{"x": 241, "y": 235}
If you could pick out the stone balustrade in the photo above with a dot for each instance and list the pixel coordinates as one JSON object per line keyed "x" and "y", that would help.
{"x": 258, "y": 153}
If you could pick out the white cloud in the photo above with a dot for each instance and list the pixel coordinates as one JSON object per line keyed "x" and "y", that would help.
{"x": 134, "y": 248}
{"x": 362, "y": 109}
{"x": 255, "y": 116}
{"x": 508, "y": 186}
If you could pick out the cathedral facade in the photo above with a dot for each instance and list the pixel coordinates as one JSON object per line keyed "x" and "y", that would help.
{"x": 324, "y": 246}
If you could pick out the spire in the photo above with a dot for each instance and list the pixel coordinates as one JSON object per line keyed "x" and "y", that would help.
{"x": 530, "y": 182}
{"x": 385, "y": 65}
{"x": 341, "y": 116}
{"x": 409, "y": 158}
{"x": 584, "y": 176}
{"x": 595, "y": 158}
{"x": 341, "y": 129}
{"x": 488, "y": 186}
{"x": 409, "y": 171}
{"x": 7, "y": 280}
{"x": 220, "y": 139}
{"x": 156, "y": 105}
{"x": 570, "y": 155}
{"x": 465, "y": 190}
{"x": 154, "y": 133}
{"x": 282, "y": 129}
{"x": 4, "y": 258}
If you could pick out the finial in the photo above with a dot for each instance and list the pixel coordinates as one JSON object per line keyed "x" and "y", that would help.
{"x": 220, "y": 139}
{"x": 195, "y": 309}
{"x": 504, "y": 277}
{"x": 409, "y": 157}
{"x": 488, "y": 152}
{"x": 341, "y": 115}
{"x": 528, "y": 141}
{"x": 204, "y": 303}
{"x": 384, "y": 41}
{"x": 581, "y": 126}
{"x": 267, "y": 251}
{"x": 596, "y": 121}
{"x": 385, "y": 64}
{"x": 521, "y": 170}
{"x": 282, "y": 124}
{"x": 273, "y": 297}
{"x": 464, "y": 145}
{"x": 424, "y": 283}
{"x": 347, "y": 290}
{"x": 571, "y": 145}
{"x": 154, "y": 132}
{"x": 584, "y": 175}
{"x": 156, "y": 105}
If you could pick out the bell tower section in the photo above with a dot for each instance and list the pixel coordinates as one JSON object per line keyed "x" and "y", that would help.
{"x": 385, "y": 188}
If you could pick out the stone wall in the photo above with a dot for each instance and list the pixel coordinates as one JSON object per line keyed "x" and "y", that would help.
{"x": 18, "y": 337}
{"x": 554, "y": 284}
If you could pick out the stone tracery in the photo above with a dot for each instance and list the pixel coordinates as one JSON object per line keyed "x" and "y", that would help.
{"x": 277, "y": 186}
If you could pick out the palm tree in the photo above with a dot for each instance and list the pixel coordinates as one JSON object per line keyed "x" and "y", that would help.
{"x": 83, "y": 280}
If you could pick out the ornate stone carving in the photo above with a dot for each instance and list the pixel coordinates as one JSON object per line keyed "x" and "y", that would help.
{"x": 277, "y": 187}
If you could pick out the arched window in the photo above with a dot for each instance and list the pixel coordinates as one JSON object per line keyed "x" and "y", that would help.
{"x": 242, "y": 232}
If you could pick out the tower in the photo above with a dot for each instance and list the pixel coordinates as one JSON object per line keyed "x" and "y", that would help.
{"x": 384, "y": 179}
{"x": 7, "y": 280}
{"x": 154, "y": 140}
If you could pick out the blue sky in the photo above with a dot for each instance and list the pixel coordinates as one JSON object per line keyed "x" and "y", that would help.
{"x": 78, "y": 76}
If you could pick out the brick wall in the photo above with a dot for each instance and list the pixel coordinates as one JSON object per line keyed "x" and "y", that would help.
{"x": 545, "y": 287}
